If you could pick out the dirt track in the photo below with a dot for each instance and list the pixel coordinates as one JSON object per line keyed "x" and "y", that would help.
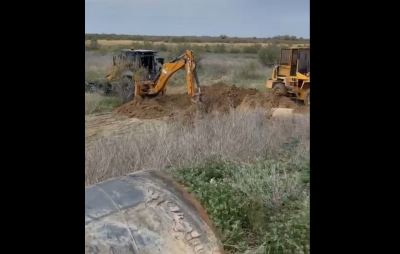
{"x": 218, "y": 97}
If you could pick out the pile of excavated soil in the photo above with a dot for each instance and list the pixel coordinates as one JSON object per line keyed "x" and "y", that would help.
{"x": 218, "y": 97}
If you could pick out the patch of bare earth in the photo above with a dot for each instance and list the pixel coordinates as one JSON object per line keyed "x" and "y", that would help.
{"x": 215, "y": 98}
{"x": 106, "y": 124}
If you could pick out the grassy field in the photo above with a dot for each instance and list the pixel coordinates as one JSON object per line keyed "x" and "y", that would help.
{"x": 251, "y": 174}
{"x": 267, "y": 52}
{"x": 95, "y": 103}
{"x": 239, "y": 69}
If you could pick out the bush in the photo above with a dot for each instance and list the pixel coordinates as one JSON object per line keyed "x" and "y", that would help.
{"x": 94, "y": 45}
{"x": 177, "y": 50}
{"x": 269, "y": 54}
{"x": 249, "y": 71}
{"x": 162, "y": 47}
{"x": 178, "y": 39}
{"x": 262, "y": 206}
{"x": 251, "y": 49}
{"x": 234, "y": 50}
{"x": 220, "y": 48}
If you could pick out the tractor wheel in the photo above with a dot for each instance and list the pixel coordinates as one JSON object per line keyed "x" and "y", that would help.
{"x": 88, "y": 88}
{"x": 107, "y": 89}
{"x": 125, "y": 89}
{"x": 280, "y": 89}
{"x": 307, "y": 98}
{"x": 104, "y": 89}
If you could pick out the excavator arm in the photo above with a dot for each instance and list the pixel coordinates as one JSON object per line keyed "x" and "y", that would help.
{"x": 158, "y": 85}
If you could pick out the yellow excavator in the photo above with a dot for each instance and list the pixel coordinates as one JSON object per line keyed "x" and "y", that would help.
{"x": 149, "y": 88}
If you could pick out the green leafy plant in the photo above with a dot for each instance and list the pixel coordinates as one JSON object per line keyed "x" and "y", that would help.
{"x": 263, "y": 207}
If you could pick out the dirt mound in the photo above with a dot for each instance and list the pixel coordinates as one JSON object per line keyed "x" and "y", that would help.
{"x": 218, "y": 97}
{"x": 155, "y": 107}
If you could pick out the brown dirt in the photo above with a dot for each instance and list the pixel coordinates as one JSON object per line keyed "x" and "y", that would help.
{"x": 218, "y": 97}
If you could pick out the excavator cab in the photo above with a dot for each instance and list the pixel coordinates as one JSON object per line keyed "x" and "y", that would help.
{"x": 141, "y": 58}
{"x": 292, "y": 75}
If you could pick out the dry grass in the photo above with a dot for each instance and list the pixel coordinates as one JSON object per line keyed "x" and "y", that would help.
{"x": 244, "y": 137}
{"x": 97, "y": 103}
{"x": 245, "y": 170}
{"x": 241, "y": 71}
{"x": 96, "y": 65}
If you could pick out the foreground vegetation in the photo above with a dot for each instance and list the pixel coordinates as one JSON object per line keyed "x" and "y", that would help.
{"x": 95, "y": 103}
{"x": 259, "y": 208}
{"x": 250, "y": 174}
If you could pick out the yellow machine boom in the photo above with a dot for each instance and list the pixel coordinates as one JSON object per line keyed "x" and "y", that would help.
{"x": 158, "y": 85}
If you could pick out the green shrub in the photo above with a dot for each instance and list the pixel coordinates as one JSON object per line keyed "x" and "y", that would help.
{"x": 251, "y": 49}
{"x": 234, "y": 50}
{"x": 263, "y": 207}
{"x": 178, "y": 39}
{"x": 94, "y": 45}
{"x": 220, "y": 48}
{"x": 162, "y": 47}
{"x": 269, "y": 54}
{"x": 249, "y": 71}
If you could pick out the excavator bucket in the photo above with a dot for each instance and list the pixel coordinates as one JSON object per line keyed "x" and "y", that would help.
{"x": 196, "y": 98}
{"x": 145, "y": 212}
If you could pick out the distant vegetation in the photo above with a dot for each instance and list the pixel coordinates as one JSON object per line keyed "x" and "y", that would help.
{"x": 267, "y": 48}
{"x": 287, "y": 39}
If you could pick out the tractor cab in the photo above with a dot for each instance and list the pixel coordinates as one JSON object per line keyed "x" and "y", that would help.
{"x": 142, "y": 58}
{"x": 294, "y": 61}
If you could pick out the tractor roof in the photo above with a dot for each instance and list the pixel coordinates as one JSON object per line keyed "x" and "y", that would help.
{"x": 302, "y": 47}
{"x": 139, "y": 50}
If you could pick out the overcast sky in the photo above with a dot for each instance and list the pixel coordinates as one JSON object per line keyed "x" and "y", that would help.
{"x": 241, "y": 18}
